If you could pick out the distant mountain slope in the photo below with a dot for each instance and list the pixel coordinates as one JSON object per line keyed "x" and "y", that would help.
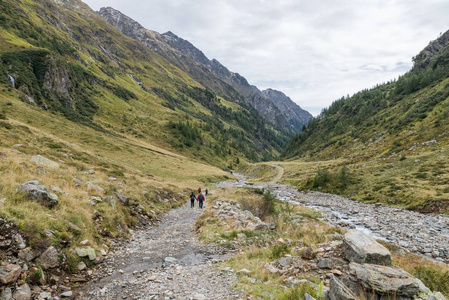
{"x": 63, "y": 57}
{"x": 392, "y": 139}
{"x": 296, "y": 116}
{"x": 392, "y": 116}
{"x": 210, "y": 73}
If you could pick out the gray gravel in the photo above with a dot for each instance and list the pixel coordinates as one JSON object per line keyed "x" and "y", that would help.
{"x": 164, "y": 262}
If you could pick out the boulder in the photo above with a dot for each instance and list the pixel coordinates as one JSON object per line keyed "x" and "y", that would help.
{"x": 385, "y": 280}
{"x": 122, "y": 198}
{"x": 22, "y": 293}
{"x": 111, "y": 201}
{"x": 361, "y": 249}
{"x": 36, "y": 191}
{"x": 308, "y": 297}
{"x": 338, "y": 291}
{"x": 43, "y": 161}
{"x": 6, "y": 294}
{"x": 86, "y": 252}
{"x": 49, "y": 259}
{"x": 9, "y": 273}
{"x": 28, "y": 254}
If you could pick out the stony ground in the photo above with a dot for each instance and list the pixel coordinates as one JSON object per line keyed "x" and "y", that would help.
{"x": 164, "y": 262}
{"x": 424, "y": 234}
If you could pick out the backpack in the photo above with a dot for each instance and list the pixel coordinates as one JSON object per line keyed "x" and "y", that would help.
{"x": 201, "y": 197}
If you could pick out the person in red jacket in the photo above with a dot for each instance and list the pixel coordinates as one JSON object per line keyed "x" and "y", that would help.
{"x": 199, "y": 190}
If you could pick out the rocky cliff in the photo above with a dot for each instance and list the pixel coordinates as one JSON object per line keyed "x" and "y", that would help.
{"x": 296, "y": 116}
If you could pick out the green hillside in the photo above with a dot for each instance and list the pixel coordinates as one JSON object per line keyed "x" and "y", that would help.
{"x": 64, "y": 58}
{"x": 392, "y": 137}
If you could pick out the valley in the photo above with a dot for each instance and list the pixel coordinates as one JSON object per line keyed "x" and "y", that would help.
{"x": 106, "y": 127}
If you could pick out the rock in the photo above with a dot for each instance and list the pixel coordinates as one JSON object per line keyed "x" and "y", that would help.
{"x": 94, "y": 187}
{"x": 81, "y": 266}
{"x": 9, "y": 273}
{"x": 244, "y": 271}
{"x": 6, "y": 294}
{"x": 36, "y": 276}
{"x": 271, "y": 268}
{"x": 87, "y": 251}
{"x": 36, "y": 191}
{"x": 338, "y": 291}
{"x": 285, "y": 262}
{"x": 361, "y": 248}
{"x": 122, "y": 198}
{"x": 308, "y": 297}
{"x": 57, "y": 189}
{"x": 199, "y": 297}
{"x": 22, "y": 293}
{"x": 422, "y": 287}
{"x": 44, "y": 295}
{"x": 325, "y": 263}
{"x": 19, "y": 241}
{"x": 385, "y": 280}
{"x": 43, "y": 161}
{"x": 259, "y": 227}
{"x": 49, "y": 259}
{"x": 67, "y": 294}
{"x": 111, "y": 201}
{"x": 170, "y": 260}
{"x": 307, "y": 253}
{"x": 84, "y": 242}
{"x": 28, "y": 254}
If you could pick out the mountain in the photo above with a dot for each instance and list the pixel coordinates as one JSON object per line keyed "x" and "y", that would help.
{"x": 210, "y": 73}
{"x": 63, "y": 57}
{"x": 394, "y": 136}
{"x": 296, "y": 116}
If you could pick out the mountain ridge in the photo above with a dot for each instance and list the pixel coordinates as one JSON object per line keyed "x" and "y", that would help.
{"x": 231, "y": 86}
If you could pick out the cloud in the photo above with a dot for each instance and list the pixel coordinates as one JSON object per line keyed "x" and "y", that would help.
{"x": 314, "y": 51}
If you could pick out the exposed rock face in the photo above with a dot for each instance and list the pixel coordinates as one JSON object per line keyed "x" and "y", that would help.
{"x": 423, "y": 59}
{"x": 361, "y": 248}
{"x": 210, "y": 73}
{"x": 385, "y": 280}
{"x": 36, "y": 191}
{"x": 296, "y": 116}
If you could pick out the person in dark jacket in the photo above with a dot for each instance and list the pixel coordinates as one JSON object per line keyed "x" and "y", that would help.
{"x": 192, "y": 200}
{"x": 201, "y": 200}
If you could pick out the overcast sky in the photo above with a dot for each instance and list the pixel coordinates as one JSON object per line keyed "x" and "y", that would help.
{"x": 313, "y": 51}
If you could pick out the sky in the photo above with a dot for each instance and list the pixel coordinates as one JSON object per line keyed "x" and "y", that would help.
{"x": 313, "y": 51}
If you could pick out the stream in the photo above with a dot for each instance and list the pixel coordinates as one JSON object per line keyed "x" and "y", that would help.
{"x": 422, "y": 234}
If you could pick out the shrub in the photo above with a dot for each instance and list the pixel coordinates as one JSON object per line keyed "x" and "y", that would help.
{"x": 322, "y": 177}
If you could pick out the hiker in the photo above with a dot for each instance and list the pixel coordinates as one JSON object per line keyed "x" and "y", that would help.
{"x": 199, "y": 190}
{"x": 206, "y": 192}
{"x": 192, "y": 200}
{"x": 200, "y": 199}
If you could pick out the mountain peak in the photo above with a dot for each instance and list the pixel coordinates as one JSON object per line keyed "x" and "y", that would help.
{"x": 434, "y": 48}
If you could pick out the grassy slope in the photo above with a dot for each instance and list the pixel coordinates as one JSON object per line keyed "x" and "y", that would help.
{"x": 393, "y": 139}
{"x": 72, "y": 39}
{"x": 143, "y": 172}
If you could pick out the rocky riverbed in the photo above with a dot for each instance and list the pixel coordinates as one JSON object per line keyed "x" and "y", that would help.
{"x": 419, "y": 233}
{"x": 164, "y": 262}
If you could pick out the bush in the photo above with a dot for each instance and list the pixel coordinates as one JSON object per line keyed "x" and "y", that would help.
{"x": 322, "y": 177}
{"x": 268, "y": 205}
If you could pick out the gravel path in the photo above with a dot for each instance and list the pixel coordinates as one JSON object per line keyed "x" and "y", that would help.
{"x": 165, "y": 262}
